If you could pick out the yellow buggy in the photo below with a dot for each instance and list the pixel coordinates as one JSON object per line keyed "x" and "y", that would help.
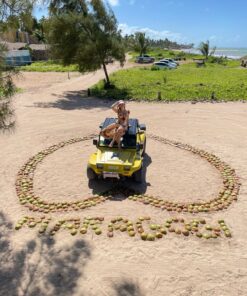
{"x": 109, "y": 162}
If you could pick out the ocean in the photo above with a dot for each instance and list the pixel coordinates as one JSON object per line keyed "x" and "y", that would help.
{"x": 232, "y": 53}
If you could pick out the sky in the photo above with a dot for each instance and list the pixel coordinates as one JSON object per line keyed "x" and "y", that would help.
{"x": 222, "y": 22}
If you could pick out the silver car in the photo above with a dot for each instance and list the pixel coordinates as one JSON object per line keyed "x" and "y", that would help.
{"x": 171, "y": 61}
{"x": 164, "y": 65}
{"x": 145, "y": 59}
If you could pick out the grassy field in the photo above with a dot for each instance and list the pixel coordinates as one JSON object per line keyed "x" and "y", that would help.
{"x": 186, "y": 83}
{"x": 48, "y": 66}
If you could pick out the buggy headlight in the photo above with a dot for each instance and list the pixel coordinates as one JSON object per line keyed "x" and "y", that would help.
{"x": 99, "y": 166}
{"x": 127, "y": 168}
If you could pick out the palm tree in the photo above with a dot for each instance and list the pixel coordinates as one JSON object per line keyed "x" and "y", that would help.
{"x": 39, "y": 29}
{"x": 39, "y": 34}
{"x": 204, "y": 48}
{"x": 141, "y": 43}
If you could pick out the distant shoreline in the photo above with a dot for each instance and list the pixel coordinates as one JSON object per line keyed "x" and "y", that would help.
{"x": 231, "y": 53}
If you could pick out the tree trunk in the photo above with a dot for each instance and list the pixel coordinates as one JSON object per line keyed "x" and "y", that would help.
{"x": 106, "y": 74}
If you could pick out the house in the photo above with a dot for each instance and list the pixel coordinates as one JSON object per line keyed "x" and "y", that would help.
{"x": 37, "y": 52}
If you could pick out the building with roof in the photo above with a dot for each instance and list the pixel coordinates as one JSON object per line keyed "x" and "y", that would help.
{"x": 17, "y": 51}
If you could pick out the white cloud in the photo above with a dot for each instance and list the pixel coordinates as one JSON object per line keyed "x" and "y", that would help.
{"x": 114, "y": 2}
{"x": 154, "y": 34}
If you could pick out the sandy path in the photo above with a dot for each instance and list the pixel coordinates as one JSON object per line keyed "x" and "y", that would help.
{"x": 96, "y": 265}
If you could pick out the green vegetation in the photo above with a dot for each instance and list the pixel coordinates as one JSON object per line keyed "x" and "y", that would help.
{"x": 49, "y": 66}
{"x": 15, "y": 14}
{"x": 11, "y": 13}
{"x": 40, "y": 29}
{"x": 85, "y": 33}
{"x": 205, "y": 49}
{"x": 159, "y": 53}
{"x": 55, "y": 66}
{"x": 130, "y": 41}
{"x": 140, "y": 43}
{"x": 16, "y": 19}
{"x": 188, "y": 82}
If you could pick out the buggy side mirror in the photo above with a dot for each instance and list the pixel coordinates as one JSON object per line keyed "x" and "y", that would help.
{"x": 142, "y": 127}
{"x": 95, "y": 142}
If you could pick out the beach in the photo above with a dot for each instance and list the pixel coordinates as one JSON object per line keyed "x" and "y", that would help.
{"x": 52, "y": 109}
{"x": 232, "y": 53}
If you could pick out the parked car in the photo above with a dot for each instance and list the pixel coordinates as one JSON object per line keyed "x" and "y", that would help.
{"x": 145, "y": 59}
{"x": 171, "y": 61}
{"x": 164, "y": 65}
{"x": 174, "y": 65}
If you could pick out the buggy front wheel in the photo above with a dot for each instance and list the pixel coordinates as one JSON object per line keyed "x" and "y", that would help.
{"x": 138, "y": 176}
{"x": 91, "y": 174}
{"x": 144, "y": 147}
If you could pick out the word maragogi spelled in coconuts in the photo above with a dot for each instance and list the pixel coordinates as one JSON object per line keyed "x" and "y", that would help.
{"x": 143, "y": 227}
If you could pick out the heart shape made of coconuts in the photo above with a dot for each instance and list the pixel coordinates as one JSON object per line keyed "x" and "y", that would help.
{"x": 28, "y": 198}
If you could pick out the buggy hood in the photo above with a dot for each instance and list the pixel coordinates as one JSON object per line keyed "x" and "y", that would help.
{"x": 123, "y": 157}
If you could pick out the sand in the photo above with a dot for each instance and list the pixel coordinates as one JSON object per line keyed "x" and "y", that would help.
{"x": 53, "y": 108}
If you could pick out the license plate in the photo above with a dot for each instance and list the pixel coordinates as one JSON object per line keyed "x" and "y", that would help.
{"x": 113, "y": 168}
{"x": 110, "y": 175}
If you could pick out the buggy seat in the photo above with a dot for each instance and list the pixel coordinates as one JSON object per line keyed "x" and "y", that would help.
{"x": 129, "y": 139}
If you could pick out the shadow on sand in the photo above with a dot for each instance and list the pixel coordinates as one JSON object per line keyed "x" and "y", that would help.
{"x": 127, "y": 288}
{"x": 102, "y": 185}
{"x": 39, "y": 268}
{"x": 77, "y": 100}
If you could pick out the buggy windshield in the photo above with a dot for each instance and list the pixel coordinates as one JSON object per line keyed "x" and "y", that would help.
{"x": 127, "y": 142}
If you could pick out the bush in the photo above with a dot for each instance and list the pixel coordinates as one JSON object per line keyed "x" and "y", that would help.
{"x": 49, "y": 66}
{"x": 108, "y": 85}
{"x": 155, "y": 68}
{"x": 181, "y": 55}
{"x": 217, "y": 60}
